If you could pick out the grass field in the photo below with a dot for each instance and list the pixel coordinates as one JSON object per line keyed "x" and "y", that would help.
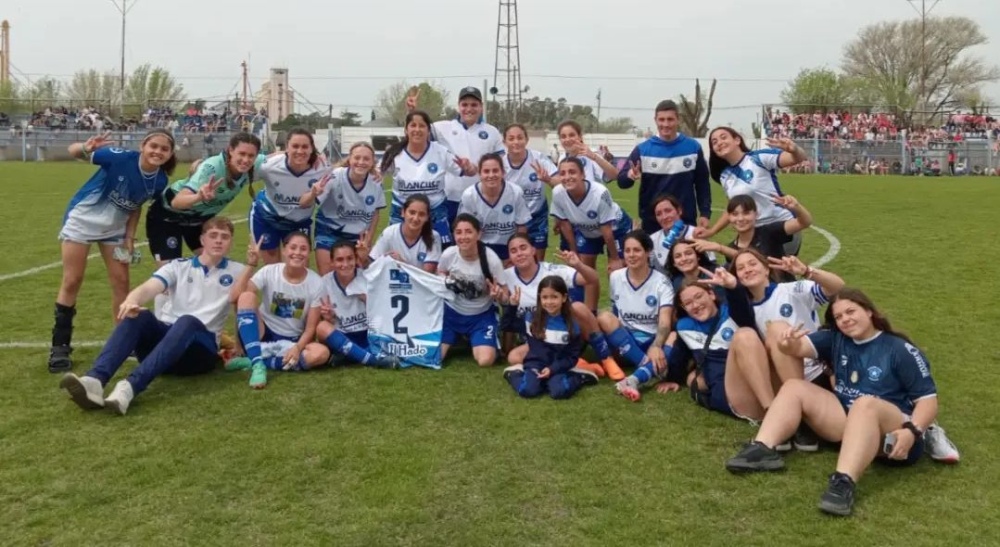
{"x": 417, "y": 457}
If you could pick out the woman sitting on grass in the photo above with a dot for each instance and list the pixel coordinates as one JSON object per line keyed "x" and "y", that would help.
{"x": 554, "y": 345}
{"x": 883, "y": 401}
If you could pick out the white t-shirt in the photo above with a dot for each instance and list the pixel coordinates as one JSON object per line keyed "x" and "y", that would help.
{"x": 472, "y": 143}
{"x": 465, "y": 278}
{"x": 593, "y": 211}
{"x": 423, "y": 175}
{"x": 796, "y": 303}
{"x": 197, "y": 291}
{"x": 416, "y": 253}
{"x": 405, "y": 312}
{"x": 345, "y": 209}
{"x": 638, "y": 307}
{"x": 283, "y": 188}
{"x": 529, "y": 287}
{"x": 285, "y": 306}
{"x": 756, "y": 175}
{"x": 524, "y": 176}
{"x": 348, "y": 306}
{"x": 499, "y": 220}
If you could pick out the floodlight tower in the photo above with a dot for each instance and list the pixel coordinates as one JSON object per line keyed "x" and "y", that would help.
{"x": 4, "y": 52}
{"x": 506, "y": 88}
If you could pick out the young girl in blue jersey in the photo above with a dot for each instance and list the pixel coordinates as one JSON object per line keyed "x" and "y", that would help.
{"x": 350, "y": 200}
{"x": 412, "y": 241}
{"x": 176, "y": 218}
{"x": 275, "y": 212}
{"x": 418, "y": 166}
{"x": 555, "y": 342}
{"x": 532, "y": 171}
{"x": 498, "y": 205}
{"x": 521, "y": 282}
{"x": 741, "y": 171}
{"x": 641, "y": 313}
{"x": 595, "y": 167}
{"x": 473, "y": 272}
{"x": 344, "y": 325}
{"x": 732, "y": 374}
{"x": 106, "y": 211}
{"x": 277, "y": 313}
{"x": 883, "y": 401}
{"x": 589, "y": 221}
{"x": 668, "y": 212}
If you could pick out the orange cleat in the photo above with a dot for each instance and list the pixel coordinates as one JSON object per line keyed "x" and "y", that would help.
{"x": 612, "y": 369}
{"x": 596, "y": 369}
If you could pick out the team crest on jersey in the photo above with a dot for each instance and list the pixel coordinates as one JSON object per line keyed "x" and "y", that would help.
{"x": 746, "y": 175}
{"x": 432, "y": 168}
{"x": 786, "y": 310}
{"x": 591, "y": 215}
{"x": 874, "y": 374}
{"x": 116, "y": 150}
{"x": 226, "y": 280}
{"x": 727, "y": 334}
{"x": 565, "y": 338}
{"x": 421, "y": 256}
{"x": 508, "y": 209}
{"x": 172, "y": 242}
{"x": 533, "y": 177}
{"x": 687, "y": 162}
{"x": 843, "y": 360}
{"x": 650, "y": 300}
{"x": 484, "y": 135}
{"x": 399, "y": 276}
{"x": 653, "y": 164}
{"x": 370, "y": 200}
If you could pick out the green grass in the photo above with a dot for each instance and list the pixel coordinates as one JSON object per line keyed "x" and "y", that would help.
{"x": 417, "y": 457}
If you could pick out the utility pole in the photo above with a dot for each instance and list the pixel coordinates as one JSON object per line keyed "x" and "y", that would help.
{"x": 125, "y": 7}
{"x": 598, "y": 109}
{"x": 923, "y": 11}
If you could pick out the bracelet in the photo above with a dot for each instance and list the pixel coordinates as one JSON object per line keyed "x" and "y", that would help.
{"x": 809, "y": 272}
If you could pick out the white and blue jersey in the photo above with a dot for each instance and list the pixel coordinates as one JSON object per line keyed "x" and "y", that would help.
{"x": 796, "y": 303}
{"x": 470, "y": 142}
{"x": 405, "y": 307}
{"x": 884, "y": 366}
{"x": 414, "y": 252}
{"x": 100, "y": 209}
{"x": 663, "y": 241}
{"x": 591, "y": 170}
{"x": 524, "y": 176}
{"x": 349, "y": 308}
{"x": 344, "y": 210}
{"x": 199, "y": 291}
{"x": 588, "y": 215}
{"x": 424, "y": 175}
{"x": 558, "y": 350}
{"x": 275, "y": 212}
{"x": 638, "y": 307}
{"x": 529, "y": 287}
{"x": 756, "y": 175}
{"x": 498, "y": 220}
{"x": 674, "y": 167}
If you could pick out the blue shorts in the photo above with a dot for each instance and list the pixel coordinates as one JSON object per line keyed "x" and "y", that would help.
{"x": 274, "y": 232}
{"x": 715, "y": 379}
{"x": 538, "y": 229}
{"x": 500, "y": 249}
{"x": 439, "y": 216}
{"x": 511, "y": 321}
{"x": 642, "y": 338}
{"x": 481, "y": 329}
{"x": 595, "y": 245}
{"x": 452, "y": 207}
{"x": 327, "y": 237}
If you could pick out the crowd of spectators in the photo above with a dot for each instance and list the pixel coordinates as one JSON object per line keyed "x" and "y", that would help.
{"x": 185, "y": 121}
{"x": 879, "y": 127}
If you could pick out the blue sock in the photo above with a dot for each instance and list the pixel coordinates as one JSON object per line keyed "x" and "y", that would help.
{"x": 249, "y": 331}
{"x": 600, "y": 345}
{"x": 342, "y": 344}
{"x": 622, "y": 341}
{"x": 647, "y": 372}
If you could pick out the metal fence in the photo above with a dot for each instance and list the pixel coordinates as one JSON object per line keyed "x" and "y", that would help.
{"x": 901, "y": 157}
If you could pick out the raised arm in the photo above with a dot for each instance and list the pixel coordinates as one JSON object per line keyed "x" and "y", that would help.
{"x": 803, "y": 218}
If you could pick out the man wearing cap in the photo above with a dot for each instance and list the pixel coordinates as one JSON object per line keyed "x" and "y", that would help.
{"x": 669, "y": 163}
{"x": 467, "y": 136}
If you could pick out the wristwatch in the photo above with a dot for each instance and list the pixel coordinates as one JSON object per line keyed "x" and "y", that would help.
{"x": 917, "y": 432}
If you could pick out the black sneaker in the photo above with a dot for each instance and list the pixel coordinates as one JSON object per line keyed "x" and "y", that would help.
{"x": 511, "y": 370}
{"x": 755, "y": 456}
{"x": 805, "y": 439}
{"x": 59, "y": 361}
{"x": 839, "y": 496}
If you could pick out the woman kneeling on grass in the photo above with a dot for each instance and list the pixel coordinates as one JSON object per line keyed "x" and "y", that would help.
{"x": 278, "y": 327}
{"x": 884, "y": 398}
{"x": 554, "y": 345}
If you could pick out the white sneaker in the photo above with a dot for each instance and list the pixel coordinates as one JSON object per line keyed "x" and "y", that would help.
{"x": 120, "y": 397}
{"x": 938, "y": 447}
{"x": 511, "y": 370}
{"x": 86, "y": 392}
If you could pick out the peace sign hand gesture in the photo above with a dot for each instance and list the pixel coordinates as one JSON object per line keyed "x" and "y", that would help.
{"x": 98, "y": 141}
{"x": 786, "y": 202}
{"x": 570, "y": 258}
{"x": 791, "y": 336}
{"x": 326, "y": 309}
{"x": 635, "y": 170}
{"x": 515, "y": 297}
{"x": 543, "y": 174}
{"x": 320, "y": 185}
{"x": 467, "y": 167}
{"x": 253, "y": 252}
{"x": 782, "y": 143}
{"x": 207, "y": 191}
{"x": 720, "y": 277}
{"x": 790, "y": 264}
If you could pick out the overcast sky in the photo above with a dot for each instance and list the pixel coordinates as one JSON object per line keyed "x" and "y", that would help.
{"x": 343, "y": 52}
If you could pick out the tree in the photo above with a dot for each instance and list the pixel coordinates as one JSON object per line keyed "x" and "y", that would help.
{"x": 148, "y": 87}
{"x": 92, "y": 88}
{"x": 10, "y": 92}
{"x": 348, "y": 119}
{"x": 46, "y": 90}
{"x": 617, "y": 125}
{"x": 819, "y": 89}
{"x": 390, "y": 103}
{"x": 908, "y": 69}
{"x": 694, "y": 115}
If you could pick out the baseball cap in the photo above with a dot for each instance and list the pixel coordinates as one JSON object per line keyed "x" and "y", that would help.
{"x": 470, "y": 92}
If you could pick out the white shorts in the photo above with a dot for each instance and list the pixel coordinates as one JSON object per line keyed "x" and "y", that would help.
{"x": 80, "y": 228}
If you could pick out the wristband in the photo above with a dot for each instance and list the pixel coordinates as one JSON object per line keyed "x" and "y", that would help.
{"x": 917, "y": 432}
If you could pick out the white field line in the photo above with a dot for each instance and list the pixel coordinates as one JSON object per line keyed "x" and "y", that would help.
{"x": 53, "y": 265}
{"x": 831, "y": 253}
